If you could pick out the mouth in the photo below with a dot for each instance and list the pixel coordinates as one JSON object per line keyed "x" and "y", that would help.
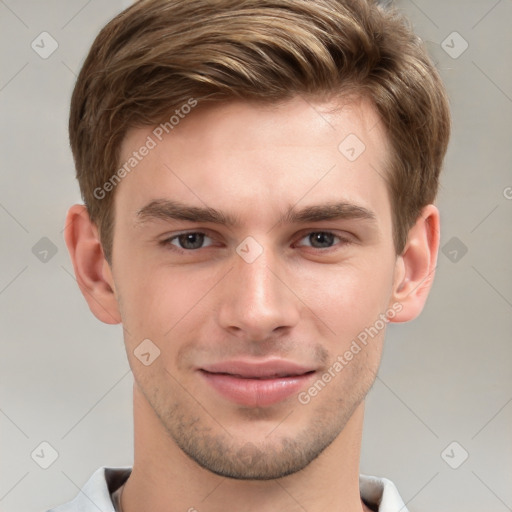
{"x": 257, "y": 384}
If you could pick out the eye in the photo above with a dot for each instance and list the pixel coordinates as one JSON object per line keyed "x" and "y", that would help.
{"x": 322, "y": 240}
{"x": 188, "y": 241}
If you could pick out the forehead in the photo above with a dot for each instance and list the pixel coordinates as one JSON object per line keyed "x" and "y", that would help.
{"x": 231, "y": 155}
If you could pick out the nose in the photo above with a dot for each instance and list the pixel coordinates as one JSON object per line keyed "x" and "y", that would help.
{"x": 256, "y": 300}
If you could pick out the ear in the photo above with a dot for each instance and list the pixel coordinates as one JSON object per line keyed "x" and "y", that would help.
{"x": 92, "y": 271}
{"x": 415, "y": 267}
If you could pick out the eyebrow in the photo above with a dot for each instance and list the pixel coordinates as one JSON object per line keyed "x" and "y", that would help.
{"x": 164, "y": 209}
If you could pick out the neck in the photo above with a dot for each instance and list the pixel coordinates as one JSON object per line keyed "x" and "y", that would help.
{"x": 165, "y": 479}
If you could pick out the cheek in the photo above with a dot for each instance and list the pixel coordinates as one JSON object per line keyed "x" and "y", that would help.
{"x": 349, "y": 298}
{"x": 158, "y": 303}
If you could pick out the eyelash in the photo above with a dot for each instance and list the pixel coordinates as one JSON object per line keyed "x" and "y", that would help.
{"x": 168, "y": 241}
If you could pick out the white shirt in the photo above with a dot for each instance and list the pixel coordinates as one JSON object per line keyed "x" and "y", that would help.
{"x": 96, "y": 494}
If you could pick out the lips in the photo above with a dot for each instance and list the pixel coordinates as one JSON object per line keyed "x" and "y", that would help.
{"x": 257, "y": 383}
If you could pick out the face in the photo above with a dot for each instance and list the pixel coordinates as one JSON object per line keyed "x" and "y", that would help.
{"x": 252, "y": 245}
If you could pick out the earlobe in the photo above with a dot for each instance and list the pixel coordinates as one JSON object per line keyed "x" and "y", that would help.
{"x": 415, "y": 267}
{"x": 91, "y": 269}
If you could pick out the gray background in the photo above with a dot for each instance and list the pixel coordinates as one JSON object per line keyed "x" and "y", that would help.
{"x": 445, "y": 377}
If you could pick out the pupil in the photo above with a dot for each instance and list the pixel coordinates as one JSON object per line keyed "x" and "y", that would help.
{"x": 191, "y": 240}
{"x": 321, "y": 239}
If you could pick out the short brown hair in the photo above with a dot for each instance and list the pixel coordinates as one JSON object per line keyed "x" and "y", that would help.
{"x": 158, "y": 54}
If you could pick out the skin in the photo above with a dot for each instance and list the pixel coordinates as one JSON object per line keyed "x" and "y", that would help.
{"x": 301, "y": 300}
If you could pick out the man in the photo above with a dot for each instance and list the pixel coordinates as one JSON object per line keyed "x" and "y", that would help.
{"x": 258, "y": 180}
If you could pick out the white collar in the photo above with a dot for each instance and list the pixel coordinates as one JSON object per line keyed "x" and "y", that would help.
{"x": 96, "y": 493}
